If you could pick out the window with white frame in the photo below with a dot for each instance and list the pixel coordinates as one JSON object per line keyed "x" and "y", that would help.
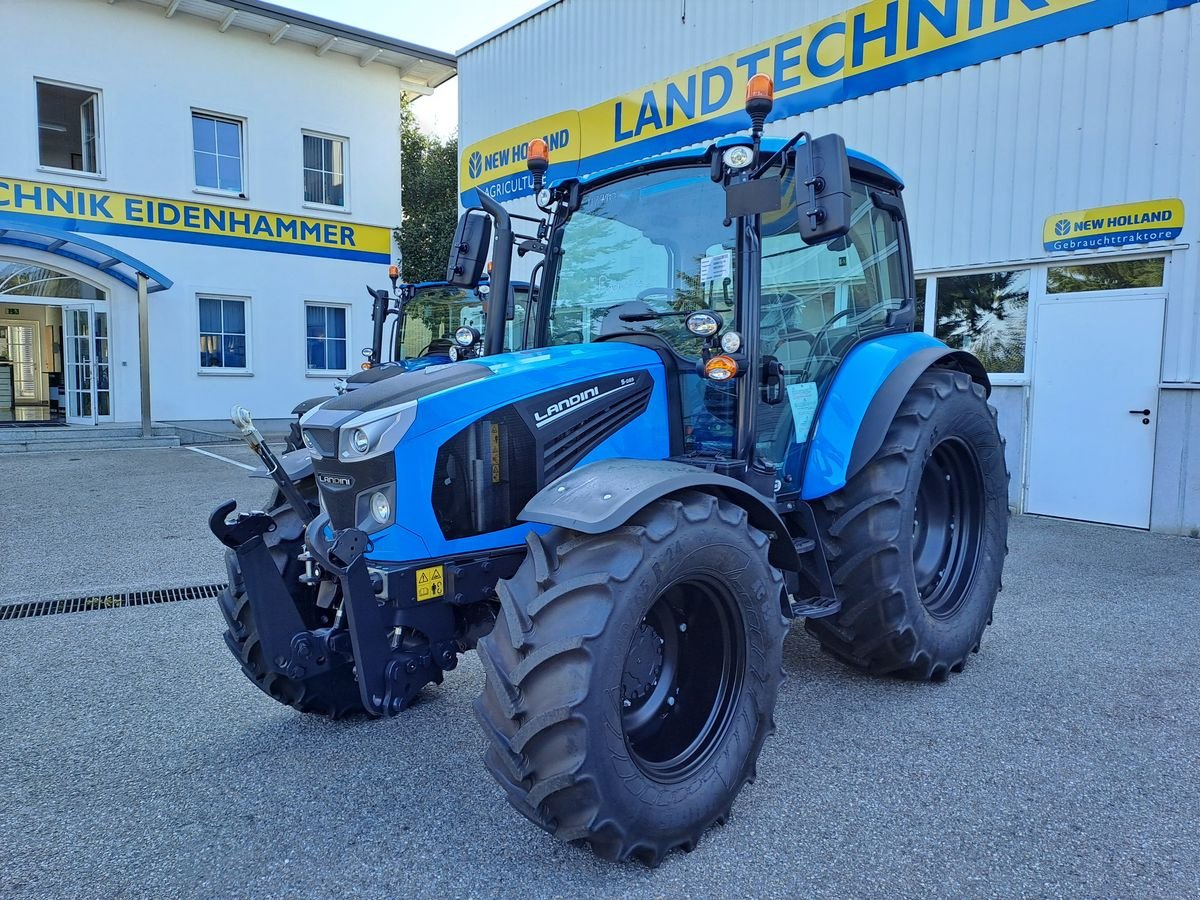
{"x": 223, "y": 333}
{"x": 985, "y": 314}
{"x": 217, "y": 153}
{"x": 68, "y": 124}
{"x": 919, "y": 309}
{"x": 325, "y": 170}
{"x": 1106, "y": 275}
{"x": 325, "y": 337}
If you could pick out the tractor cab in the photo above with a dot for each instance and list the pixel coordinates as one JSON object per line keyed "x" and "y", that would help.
{"x": 736, "y": 306}
{"x": 755, "y": 267}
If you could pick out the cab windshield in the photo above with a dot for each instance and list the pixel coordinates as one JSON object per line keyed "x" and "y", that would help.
{"x": 641, "y": 253}
{"x": 431, "y": 318}
{"x": 654, "y": 243}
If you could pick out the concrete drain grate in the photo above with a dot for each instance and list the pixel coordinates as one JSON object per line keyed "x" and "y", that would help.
{"x": 108, "y": 601}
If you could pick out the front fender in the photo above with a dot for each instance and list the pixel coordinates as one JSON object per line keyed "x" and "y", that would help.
{"x": 304, "y": 406}
{"x": 296, "y": 463}
{"x": 863, "y": 399}
{"x": 606, "y": 494}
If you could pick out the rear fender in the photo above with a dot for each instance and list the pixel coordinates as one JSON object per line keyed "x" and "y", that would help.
{"x": 606, "y": 494}
{"x": 863, "y": 399}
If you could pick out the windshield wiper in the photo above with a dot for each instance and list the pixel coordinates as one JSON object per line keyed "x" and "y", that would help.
{"x": 651, "y": 315}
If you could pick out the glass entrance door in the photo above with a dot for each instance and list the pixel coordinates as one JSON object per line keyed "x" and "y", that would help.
{"x": 88, "y": 381}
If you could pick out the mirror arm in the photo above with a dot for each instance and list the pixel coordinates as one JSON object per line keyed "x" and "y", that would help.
{"x": 778, "y": 154}
{"x": 502, "y": 249}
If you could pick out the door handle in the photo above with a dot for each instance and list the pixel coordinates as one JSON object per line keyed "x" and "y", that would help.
{"x": 1139, "y": 412}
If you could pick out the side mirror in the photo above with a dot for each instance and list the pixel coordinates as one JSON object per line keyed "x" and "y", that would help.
{"x": 469, "y": 250}
{"x": 823, "y": 188}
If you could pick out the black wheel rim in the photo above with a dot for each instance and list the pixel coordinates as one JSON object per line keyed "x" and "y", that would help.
{"x": 682, "y": 676}
{"x": 947, "y": 527}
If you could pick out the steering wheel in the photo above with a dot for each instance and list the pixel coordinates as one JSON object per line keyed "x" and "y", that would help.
{"x": 784, "y": 300}
{"x": 669, "y": 293}
{"x": 436, "y": 347}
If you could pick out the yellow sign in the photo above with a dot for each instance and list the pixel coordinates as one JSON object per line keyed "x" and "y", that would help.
{"x": 872, "y": 47}
{"x": 1114, "y": 226}
{"x": 107, "y": 212}
{"x": 431, "y": 583}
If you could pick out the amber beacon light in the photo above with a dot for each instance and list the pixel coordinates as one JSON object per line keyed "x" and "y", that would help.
{"x": 759, "y": 89}
{"x": 760, "y": 97}
{"x": 537, "y": 159}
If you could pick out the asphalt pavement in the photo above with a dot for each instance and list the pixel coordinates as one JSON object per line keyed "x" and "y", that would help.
{"x": 99, "y": 521}
{"x": 1065, "y": 760}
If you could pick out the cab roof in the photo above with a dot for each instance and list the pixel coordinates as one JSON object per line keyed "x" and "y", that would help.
{"x": 697, "y": 154}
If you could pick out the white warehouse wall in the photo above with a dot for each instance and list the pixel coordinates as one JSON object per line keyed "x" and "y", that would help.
{"x": 987, "y": 152}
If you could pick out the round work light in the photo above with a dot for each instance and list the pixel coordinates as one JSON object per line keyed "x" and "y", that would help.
{"x": 703, "y": 324}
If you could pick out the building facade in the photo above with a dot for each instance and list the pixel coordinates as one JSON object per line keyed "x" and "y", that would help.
{"x": 1051, "y": 155}
{"x": 238, "y": 160}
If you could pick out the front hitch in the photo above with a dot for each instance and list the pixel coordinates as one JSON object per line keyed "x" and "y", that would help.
{"x": 289, "y": 646}
{"x": 234, "y": 534}
{"x": 390, "y": 673}
{"x": 240, "y": 416}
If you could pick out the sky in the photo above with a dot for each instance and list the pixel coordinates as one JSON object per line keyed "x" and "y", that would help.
{"x": 447, "y": 25}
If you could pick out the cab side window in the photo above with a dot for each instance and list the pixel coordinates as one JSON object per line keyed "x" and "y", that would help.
{"x": 817, "y": 302}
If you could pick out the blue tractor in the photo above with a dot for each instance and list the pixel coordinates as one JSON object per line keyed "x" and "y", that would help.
{"x": 729, "y": 424}
{"x": 448, "y": 327}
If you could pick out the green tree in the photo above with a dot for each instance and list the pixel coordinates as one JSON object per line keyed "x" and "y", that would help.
{"x": 429, "y": 170}
{"x": 1106, "y": 276}
{"x": 985, "y": 314}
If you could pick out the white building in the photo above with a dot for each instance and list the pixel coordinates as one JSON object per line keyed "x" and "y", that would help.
{"x": 1050, "y": 149}
{"x": 243, "y": 157}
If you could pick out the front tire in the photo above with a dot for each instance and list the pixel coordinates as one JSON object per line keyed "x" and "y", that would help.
{"x": 917, "y": 539}
{"x": 632, "y": 676}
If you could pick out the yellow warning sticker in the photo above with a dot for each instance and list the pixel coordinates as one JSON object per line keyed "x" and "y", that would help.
{"x": 431, "y": 583}
{"x": 495, "y": 453}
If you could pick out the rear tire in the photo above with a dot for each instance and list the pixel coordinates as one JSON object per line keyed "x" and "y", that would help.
{"x": 631, "y": 678}
{"x": 333, "y": 694}
{"x": 917, "y": 539}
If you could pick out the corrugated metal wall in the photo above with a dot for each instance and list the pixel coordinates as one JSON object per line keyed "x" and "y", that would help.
{"x": 987, "y": 152}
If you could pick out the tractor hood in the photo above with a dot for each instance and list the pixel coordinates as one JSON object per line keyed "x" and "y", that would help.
{"x": 462, "y": 390}
{"x": 460, "y": 449}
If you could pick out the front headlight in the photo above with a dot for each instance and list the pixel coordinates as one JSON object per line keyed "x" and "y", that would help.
{"x": 377, "y": 431}
{"x": 381, "y": 509}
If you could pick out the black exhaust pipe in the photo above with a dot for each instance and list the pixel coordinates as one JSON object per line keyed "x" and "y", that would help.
{"x": 498, "y": 282}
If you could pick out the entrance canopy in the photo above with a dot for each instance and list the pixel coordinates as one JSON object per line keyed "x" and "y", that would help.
{"x": 68, "y": 244}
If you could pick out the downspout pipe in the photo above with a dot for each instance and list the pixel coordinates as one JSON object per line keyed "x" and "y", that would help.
{"x": 143, "y": 295}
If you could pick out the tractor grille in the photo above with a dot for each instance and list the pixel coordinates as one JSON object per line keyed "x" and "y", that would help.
{"x": 326, "y": 440}
{"x": 564, "y": 450}
{"x": 108, "y": 601}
